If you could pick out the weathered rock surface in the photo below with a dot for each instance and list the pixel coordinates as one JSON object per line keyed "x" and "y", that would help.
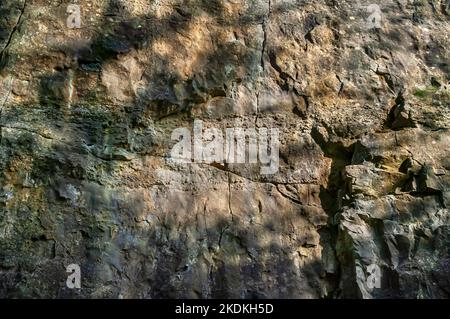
{"x": 86, "y": 177}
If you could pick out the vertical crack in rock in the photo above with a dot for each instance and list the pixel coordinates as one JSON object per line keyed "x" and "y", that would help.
{"x": 230, "y": 209}
{"x": 333, "y": 198}
{"x": 264, "y": 29}
{"x": 266, "y": 19}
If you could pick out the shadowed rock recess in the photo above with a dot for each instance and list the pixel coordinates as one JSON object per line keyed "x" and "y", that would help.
{"x": 86, "y": 176}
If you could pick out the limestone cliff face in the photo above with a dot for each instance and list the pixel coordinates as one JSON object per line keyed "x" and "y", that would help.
{"x": 86, "y": 175}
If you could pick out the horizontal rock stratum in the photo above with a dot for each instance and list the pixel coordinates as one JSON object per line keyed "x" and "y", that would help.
{"x": 357, "y": 207}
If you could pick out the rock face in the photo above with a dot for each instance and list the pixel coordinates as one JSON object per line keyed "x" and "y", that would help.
{"x": 357, "y": 207}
